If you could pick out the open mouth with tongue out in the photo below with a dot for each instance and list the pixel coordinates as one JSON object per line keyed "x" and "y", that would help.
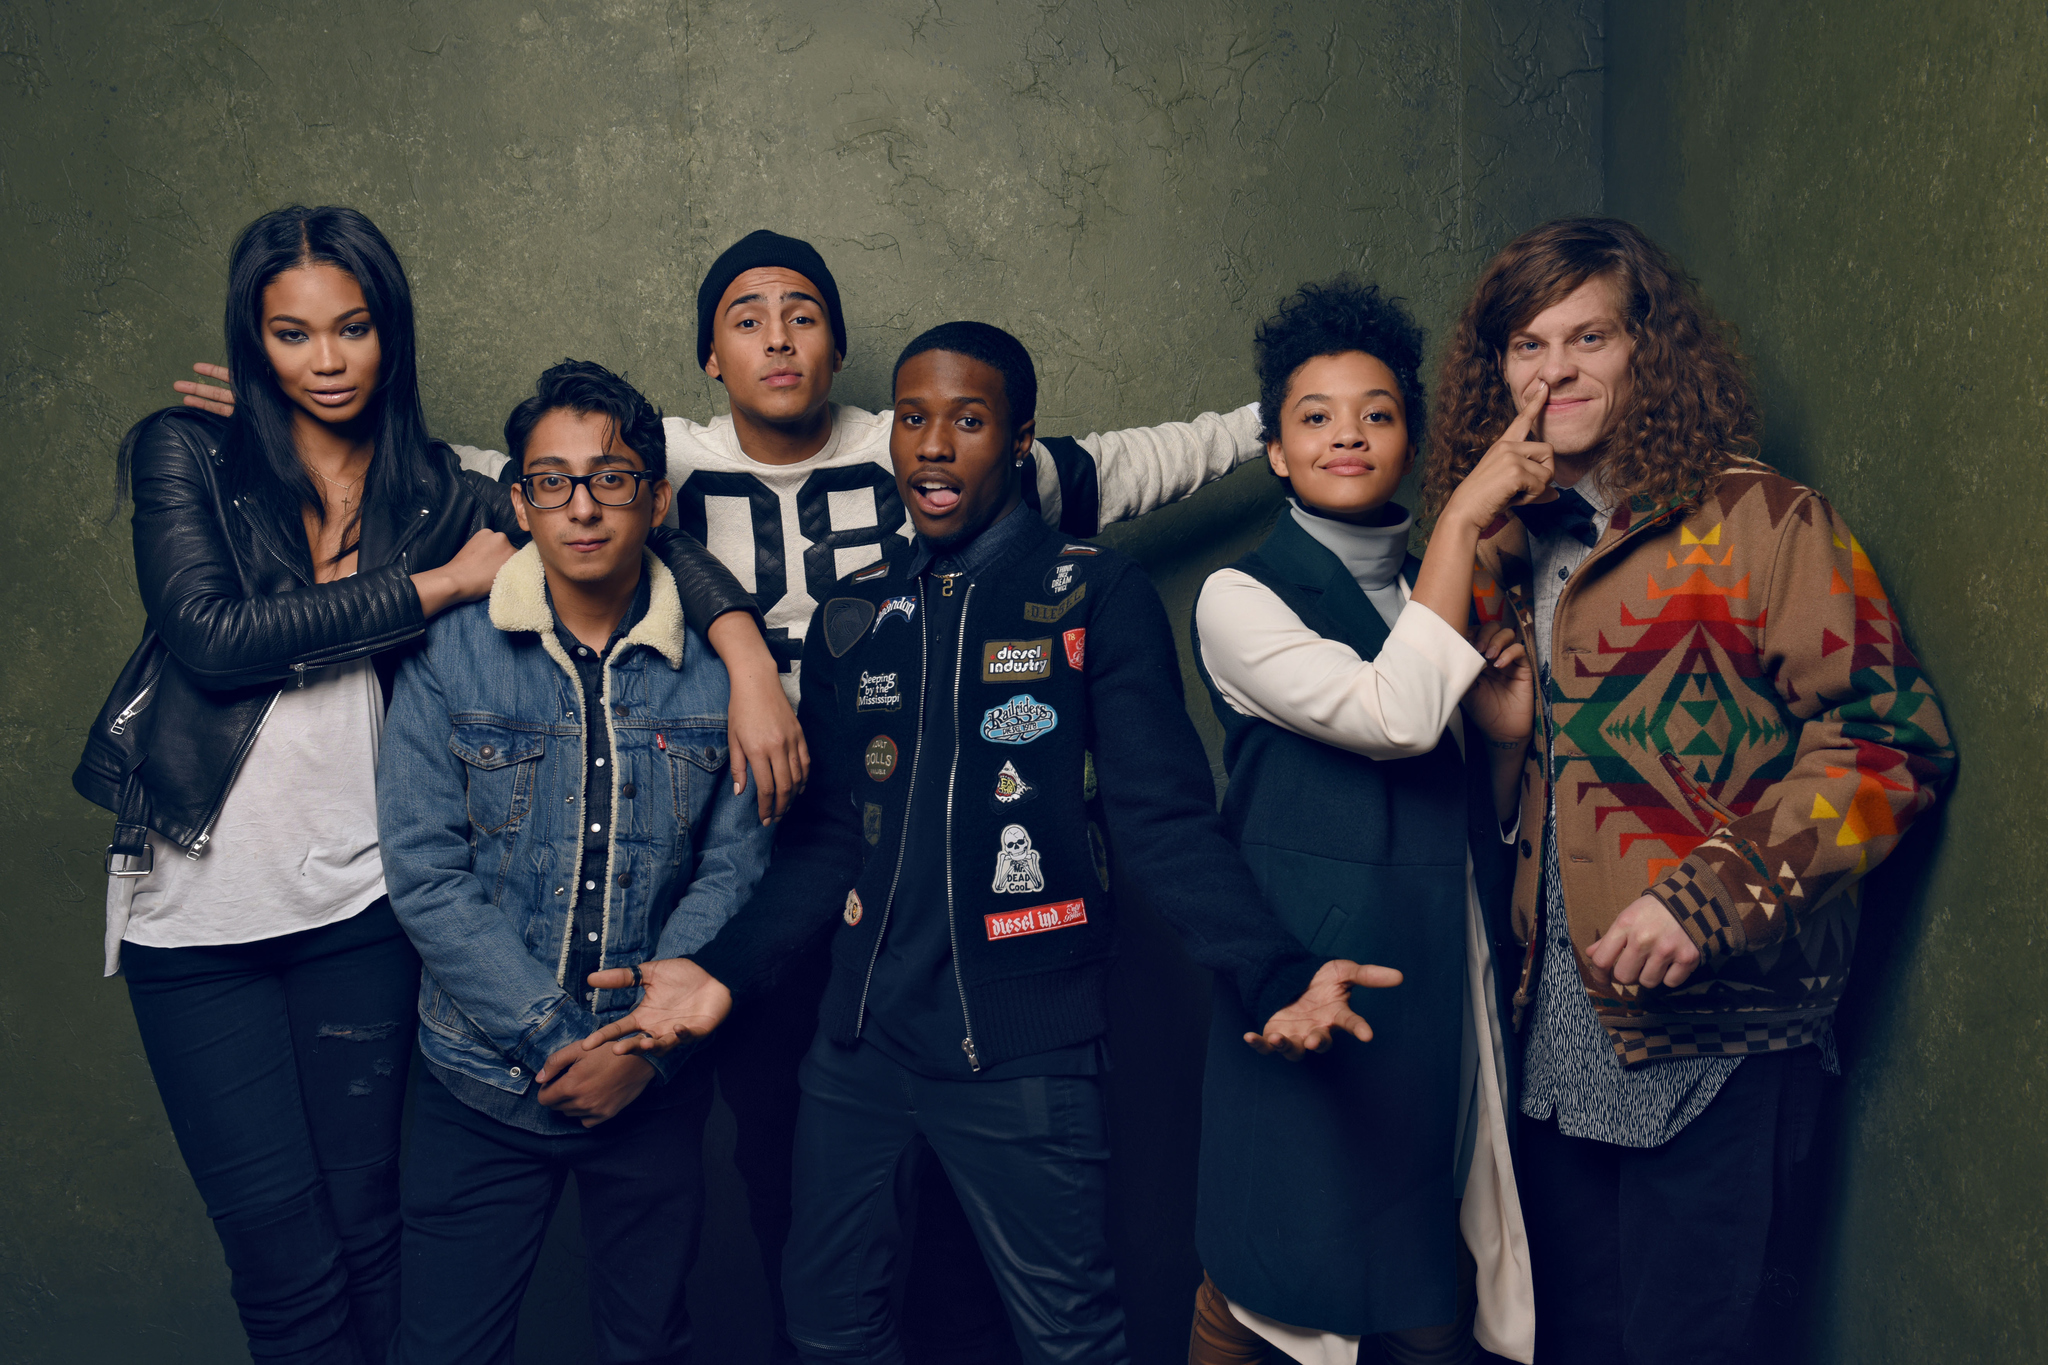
{"x": 936, "y": 494}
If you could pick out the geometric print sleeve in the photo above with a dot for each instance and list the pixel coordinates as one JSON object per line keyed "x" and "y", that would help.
{"x": 1872, "y": 746}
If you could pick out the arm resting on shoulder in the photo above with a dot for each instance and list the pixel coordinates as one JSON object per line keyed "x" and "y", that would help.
{"x": 1124, "y": 474}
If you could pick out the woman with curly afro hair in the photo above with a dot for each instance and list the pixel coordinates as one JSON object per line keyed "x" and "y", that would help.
{"x": 1373, "y": 753}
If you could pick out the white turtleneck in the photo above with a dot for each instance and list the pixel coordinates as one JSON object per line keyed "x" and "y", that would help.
{"x": 1373, "y": 554}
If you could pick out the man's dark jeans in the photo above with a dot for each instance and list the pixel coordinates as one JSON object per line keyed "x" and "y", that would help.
{"x": 1029, "y": 1159}
{"x": 1660, "y": 1255}
{"x": 478, "y": 1197}
{"x": 282, "y": 1064}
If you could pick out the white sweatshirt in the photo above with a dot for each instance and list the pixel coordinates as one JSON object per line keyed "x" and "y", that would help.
{"x": 788, "y": 532}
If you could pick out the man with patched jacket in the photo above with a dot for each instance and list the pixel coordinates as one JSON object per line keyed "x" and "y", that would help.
{"x": 984, "y": 710}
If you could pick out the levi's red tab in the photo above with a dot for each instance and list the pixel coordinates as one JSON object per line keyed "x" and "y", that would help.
{"x": 1036, "y": 919}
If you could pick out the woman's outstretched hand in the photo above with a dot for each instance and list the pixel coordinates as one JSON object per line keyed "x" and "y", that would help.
{"x": 215, "y": 398}
{"x": 1310, "y": 1023}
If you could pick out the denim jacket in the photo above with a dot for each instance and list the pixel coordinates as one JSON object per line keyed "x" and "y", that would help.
{"x": 480, "y": 806}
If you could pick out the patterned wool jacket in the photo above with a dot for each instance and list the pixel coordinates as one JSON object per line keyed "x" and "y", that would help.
{"x": 1739, "y": 728}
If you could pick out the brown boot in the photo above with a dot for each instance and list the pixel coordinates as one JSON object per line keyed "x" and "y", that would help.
{"x": 1219, "y": 1338}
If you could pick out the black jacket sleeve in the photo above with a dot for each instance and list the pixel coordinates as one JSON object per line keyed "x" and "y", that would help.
{"x": 1159, "y": 799}
{"x": 817, "y": 851}
{"x": 706, "y": 586}
{"x": 194, "y": 594}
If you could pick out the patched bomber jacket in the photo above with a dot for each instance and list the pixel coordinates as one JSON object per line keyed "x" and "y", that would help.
{"x": 1739, "y": 729}
{"x": 1068, "y": 671}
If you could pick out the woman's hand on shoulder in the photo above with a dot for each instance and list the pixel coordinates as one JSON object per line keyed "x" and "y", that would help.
{"x": 214, "y": 398}
{"x": 465, "y": 578}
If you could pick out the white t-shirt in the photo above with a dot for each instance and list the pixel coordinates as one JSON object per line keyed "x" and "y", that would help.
{"x": 295, "y": 844}
{"x": 789, "y": 532}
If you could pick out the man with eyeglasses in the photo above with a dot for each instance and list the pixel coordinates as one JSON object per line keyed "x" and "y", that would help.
{"x": 552, "y": 802}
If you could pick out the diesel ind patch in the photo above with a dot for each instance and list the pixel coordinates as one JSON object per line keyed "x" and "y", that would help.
{"x": 1040, "y": 611}
{"x": 880, "y": 758}
{"x": 1016, "y": 660}
{"x": 1035, "y": 920}
{"x": 846, "y": 620}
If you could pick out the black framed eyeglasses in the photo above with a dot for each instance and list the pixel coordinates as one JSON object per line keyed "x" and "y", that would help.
{"x": 608, "y": 488}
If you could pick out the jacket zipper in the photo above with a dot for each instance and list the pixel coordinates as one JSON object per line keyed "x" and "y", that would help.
{"x": 952, "y": 780}
{"x": 119, "y": 725}
{"x": 234, "y": 769}
{"x": 924, "y": 657}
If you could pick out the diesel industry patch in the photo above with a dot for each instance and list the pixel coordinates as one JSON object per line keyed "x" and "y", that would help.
{"x": 1016, "y": 660}
{"x": 1035, "y": 919}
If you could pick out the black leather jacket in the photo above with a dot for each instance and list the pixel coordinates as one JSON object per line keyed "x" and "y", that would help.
{"x": 241, "y": 615}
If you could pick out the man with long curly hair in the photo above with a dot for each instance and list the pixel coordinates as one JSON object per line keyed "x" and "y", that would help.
{"x": 1734, "y": 734}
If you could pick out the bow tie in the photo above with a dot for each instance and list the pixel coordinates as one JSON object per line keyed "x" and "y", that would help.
{"x": 1567, "y": 514}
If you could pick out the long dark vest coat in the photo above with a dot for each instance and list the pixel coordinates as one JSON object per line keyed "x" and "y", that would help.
{"x": 1325, "y": 1196}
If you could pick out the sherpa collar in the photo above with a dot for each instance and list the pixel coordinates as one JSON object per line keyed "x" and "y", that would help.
{"x": 519, "y": 601}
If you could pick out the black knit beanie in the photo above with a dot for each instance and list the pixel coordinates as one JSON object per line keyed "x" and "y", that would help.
{"x": 750, "y": 252}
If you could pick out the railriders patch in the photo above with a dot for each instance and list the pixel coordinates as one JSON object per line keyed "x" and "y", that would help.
{"x": 1019, "y": 720}
{"x": 1040, "y": 611}
{"x": 1016, "y": 660}
{"x": 905, "y": 607}
{"x": 880, "y": 757}
{"x": 846, "y": 620}
{"x": 878, "y": 692}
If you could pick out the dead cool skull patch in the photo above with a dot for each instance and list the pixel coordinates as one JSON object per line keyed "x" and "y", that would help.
{"x": 1017, "y": 864}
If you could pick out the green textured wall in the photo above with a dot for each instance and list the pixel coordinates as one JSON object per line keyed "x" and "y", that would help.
{"x": 1126, "y": 186}
{"x": 1861, "y": 188}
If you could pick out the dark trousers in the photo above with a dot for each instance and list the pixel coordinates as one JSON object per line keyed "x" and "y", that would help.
{"x": 282, "y": 1065}
{"x": 478, "y": 1197}
{"x": 1029, "y": 1160}
{"x": 952, "y": 1312}
{"x": 1659, "y": 1255}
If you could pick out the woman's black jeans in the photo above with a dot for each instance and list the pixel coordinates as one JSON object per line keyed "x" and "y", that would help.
{"x": 282, "y": 1064}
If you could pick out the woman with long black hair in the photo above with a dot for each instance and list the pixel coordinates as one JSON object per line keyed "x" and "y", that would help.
{"x": 284, "y": 555}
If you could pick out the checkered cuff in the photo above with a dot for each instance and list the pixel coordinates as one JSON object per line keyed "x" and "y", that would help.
{"x": 1697, "y": 900}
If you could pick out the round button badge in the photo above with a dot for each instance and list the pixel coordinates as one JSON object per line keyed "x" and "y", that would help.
{"x": 881, "y": 758}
